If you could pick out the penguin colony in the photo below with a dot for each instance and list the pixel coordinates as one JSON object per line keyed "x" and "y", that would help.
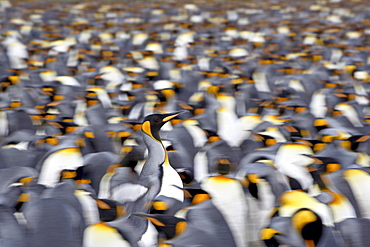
{"x": 168, "y": 123}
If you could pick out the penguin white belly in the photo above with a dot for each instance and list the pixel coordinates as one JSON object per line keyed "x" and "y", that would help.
{"x": 149, "y": 106}
{"x": 359, "y": 181}
{"x": 261, "y": 83}
{"x": 257, "y": 218}
{"x": 127, "y": 192}
{"x": 136, "y": 111}
{"x": 90, "y": 209}
{"x": 341, "y": 208}
{"x": 170, "y": 181}
{"x": 363, "y": 159}
{"x": 150, "y": 237}
{"x": 230, "y": 128}
{"x": 198, "y": 135}
{"x": 350, "y": 113}
{"x": 291, "y": 162}
{"x": 104, "y": 188}
{"x": 266, "y": 202}
{"x": 318, "y": 106}
{"x": 201, "y": 170}
{"x": 228, "y": 196}
{"x": 4, "y": 129}
{"x": 248, "y": 123}
{"x": 80, "y": 117}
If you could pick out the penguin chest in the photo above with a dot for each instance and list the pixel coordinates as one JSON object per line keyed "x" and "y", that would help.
{"x": 171, "y": 182}
{"x": 228, "y": 197}
{"x": 4, "y": 128}
{"x": 90, "y": 210}
{"x": 103, "y": 235}
{"x": 230, "y": 128}
{"x": 358, "y": 181}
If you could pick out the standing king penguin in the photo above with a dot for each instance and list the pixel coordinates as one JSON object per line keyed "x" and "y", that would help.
{"x": 158, "y": 156}
{"x": 157, "y": 176}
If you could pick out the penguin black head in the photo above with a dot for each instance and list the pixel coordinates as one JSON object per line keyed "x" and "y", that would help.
{"x": 212, "y": 135}
{"x": 325, "y": 165}
{"x": 267, "y": 235}
{"x": 81, "y": 176}
{"x": 223, "y": 166}
{"x": 109, "y": 210}
{"x": 154, "y": 122}
{"x": 165, "y": 205}
{"x": 320, "y": 124}
{"x": 308, "y": 224}
{"x": 252, "y": 179}
{"x": 168, "y": 226}
{"x": 186, "y": 175}
{"x": 354, "y": 142}
{"x": 7, "y": 81}
{"x": 294, "y": 184}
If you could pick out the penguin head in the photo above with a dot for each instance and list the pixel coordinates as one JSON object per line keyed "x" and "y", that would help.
{"x": 212, "y": 135}
{"x": 196, "y": 194}
{"x": 186, "y": 175}
{"x": 223, "y": 166}
{"x": 324, "y": 165}
{"x": 266, "y": 139}
{"x": 168, "y": 226}
{"x": 308, "y": 224}
{"x": 316, "y": 145}
{"x": 354, "y": 142}
{"x": 8, "y": 81}
{"x": 17, "y": 193}
{"x": 154, "y": 122}
{"x": 109, "y": 210}
{"x": 267, "y": 235}
{"x": 81, "y": 176}
{"x": 166, "y": 205}
{"x": 253, "y": 188}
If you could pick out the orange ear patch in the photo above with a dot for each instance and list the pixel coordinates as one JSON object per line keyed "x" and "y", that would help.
{"x": 146, "y": 128}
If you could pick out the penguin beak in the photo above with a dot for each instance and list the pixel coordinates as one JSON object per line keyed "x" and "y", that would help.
{"x": 170, "y": 116}
{"x": 186, "y": 192}
{"x": 143, "y": 215}
{"x": 99, "y": 76}
{"x": 268, "y": 233}
{"x": 151, "y": 218}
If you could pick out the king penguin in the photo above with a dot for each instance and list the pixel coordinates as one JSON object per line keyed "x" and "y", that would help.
{"x": 158, "y": 157}
{"x": 229, "y": 198}
{"x": 156, "y": 178}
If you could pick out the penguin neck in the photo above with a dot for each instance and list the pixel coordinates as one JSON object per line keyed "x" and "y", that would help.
{"x": 170, "y": 182}
{"x": 157, "y": 155}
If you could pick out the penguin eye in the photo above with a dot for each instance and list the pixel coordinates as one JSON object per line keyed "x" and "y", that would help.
{"x": 156, "y": 119}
